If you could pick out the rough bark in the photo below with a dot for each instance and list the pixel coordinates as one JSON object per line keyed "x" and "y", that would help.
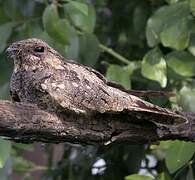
{"x": 27, "y": 123}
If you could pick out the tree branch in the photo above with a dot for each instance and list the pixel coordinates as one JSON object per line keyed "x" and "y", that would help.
{"x": 27, "y": 123}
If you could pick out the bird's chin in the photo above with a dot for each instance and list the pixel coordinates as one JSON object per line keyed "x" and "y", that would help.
{"x": 11, "y": 56}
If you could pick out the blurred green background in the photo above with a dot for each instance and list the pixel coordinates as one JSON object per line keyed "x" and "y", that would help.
{"x": 146, "y": 44}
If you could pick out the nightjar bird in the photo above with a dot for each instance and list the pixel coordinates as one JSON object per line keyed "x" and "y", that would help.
{"x": 43, "y": 77}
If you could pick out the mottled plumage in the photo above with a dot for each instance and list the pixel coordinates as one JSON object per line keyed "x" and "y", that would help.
{"x": 42, "y": 76}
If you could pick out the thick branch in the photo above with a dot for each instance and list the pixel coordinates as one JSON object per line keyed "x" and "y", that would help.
{"x": 27, "y": 123}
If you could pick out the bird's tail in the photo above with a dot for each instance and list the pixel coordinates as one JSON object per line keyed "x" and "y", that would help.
{"x": 190, "y": 116}
{"x": 156, "y": 113}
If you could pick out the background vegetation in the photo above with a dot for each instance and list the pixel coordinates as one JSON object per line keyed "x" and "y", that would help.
{"x": 147, "y": 44}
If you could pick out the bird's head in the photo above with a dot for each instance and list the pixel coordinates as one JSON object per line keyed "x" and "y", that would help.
{"x": 32, "y": 53}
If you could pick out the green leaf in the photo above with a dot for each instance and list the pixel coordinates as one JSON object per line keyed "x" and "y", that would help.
{"x": 154, "y": 67}
{"x": 89, "y": 49}
{"x": 138, "y": 177}
{"x": 80, "y": 6}
{"x": 58, "y": 29}
{"x": 21, "y": 147}
{"x": 176, "y": 36}
{"x": 72, "y": 50}
{"x": 50, "y": 15}
{"x": 181, "y": 63}
{"x": 5, "y": 148}
{"x": 21, "y": 164}
{"x": 5, "y": 32}
{"x": 65, "y": 31}
{"x": 119, "y": 75}
{"x": 52, "y": 42}
{"x": 159, "y": 150}
{"x": 80, "y": 20}
{"x": 132, "y": 66}
{"x": 29, "y": 29}
{"x": 163, "y": 18}
{"x": 178, "y": 154}
{"x": 164, "y": 176}
{"x": 192, "y": 6}
{"x": 186, "y": 99}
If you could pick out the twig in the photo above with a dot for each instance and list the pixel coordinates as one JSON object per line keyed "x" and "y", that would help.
{"x": 27, "y": 123}
{"x": 114, "y": 54}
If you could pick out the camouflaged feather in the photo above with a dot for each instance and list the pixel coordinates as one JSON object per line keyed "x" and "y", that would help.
{"x": 42, "y": 76}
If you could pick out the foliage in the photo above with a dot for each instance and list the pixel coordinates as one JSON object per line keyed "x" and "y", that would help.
{"x": 148, "y": 44}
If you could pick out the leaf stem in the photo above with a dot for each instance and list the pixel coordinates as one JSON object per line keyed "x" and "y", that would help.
{"x": 110, "y": 51}
{"x": 114, "y": 54}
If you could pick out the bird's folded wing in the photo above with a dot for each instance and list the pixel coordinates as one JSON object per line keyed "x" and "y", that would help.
{"x": 84, "y": 91}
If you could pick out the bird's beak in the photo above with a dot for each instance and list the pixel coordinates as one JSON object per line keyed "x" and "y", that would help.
{"x": 11, "y": 51}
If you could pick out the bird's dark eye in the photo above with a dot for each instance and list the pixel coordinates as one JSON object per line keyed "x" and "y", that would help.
{"x": 39, "y": 49}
